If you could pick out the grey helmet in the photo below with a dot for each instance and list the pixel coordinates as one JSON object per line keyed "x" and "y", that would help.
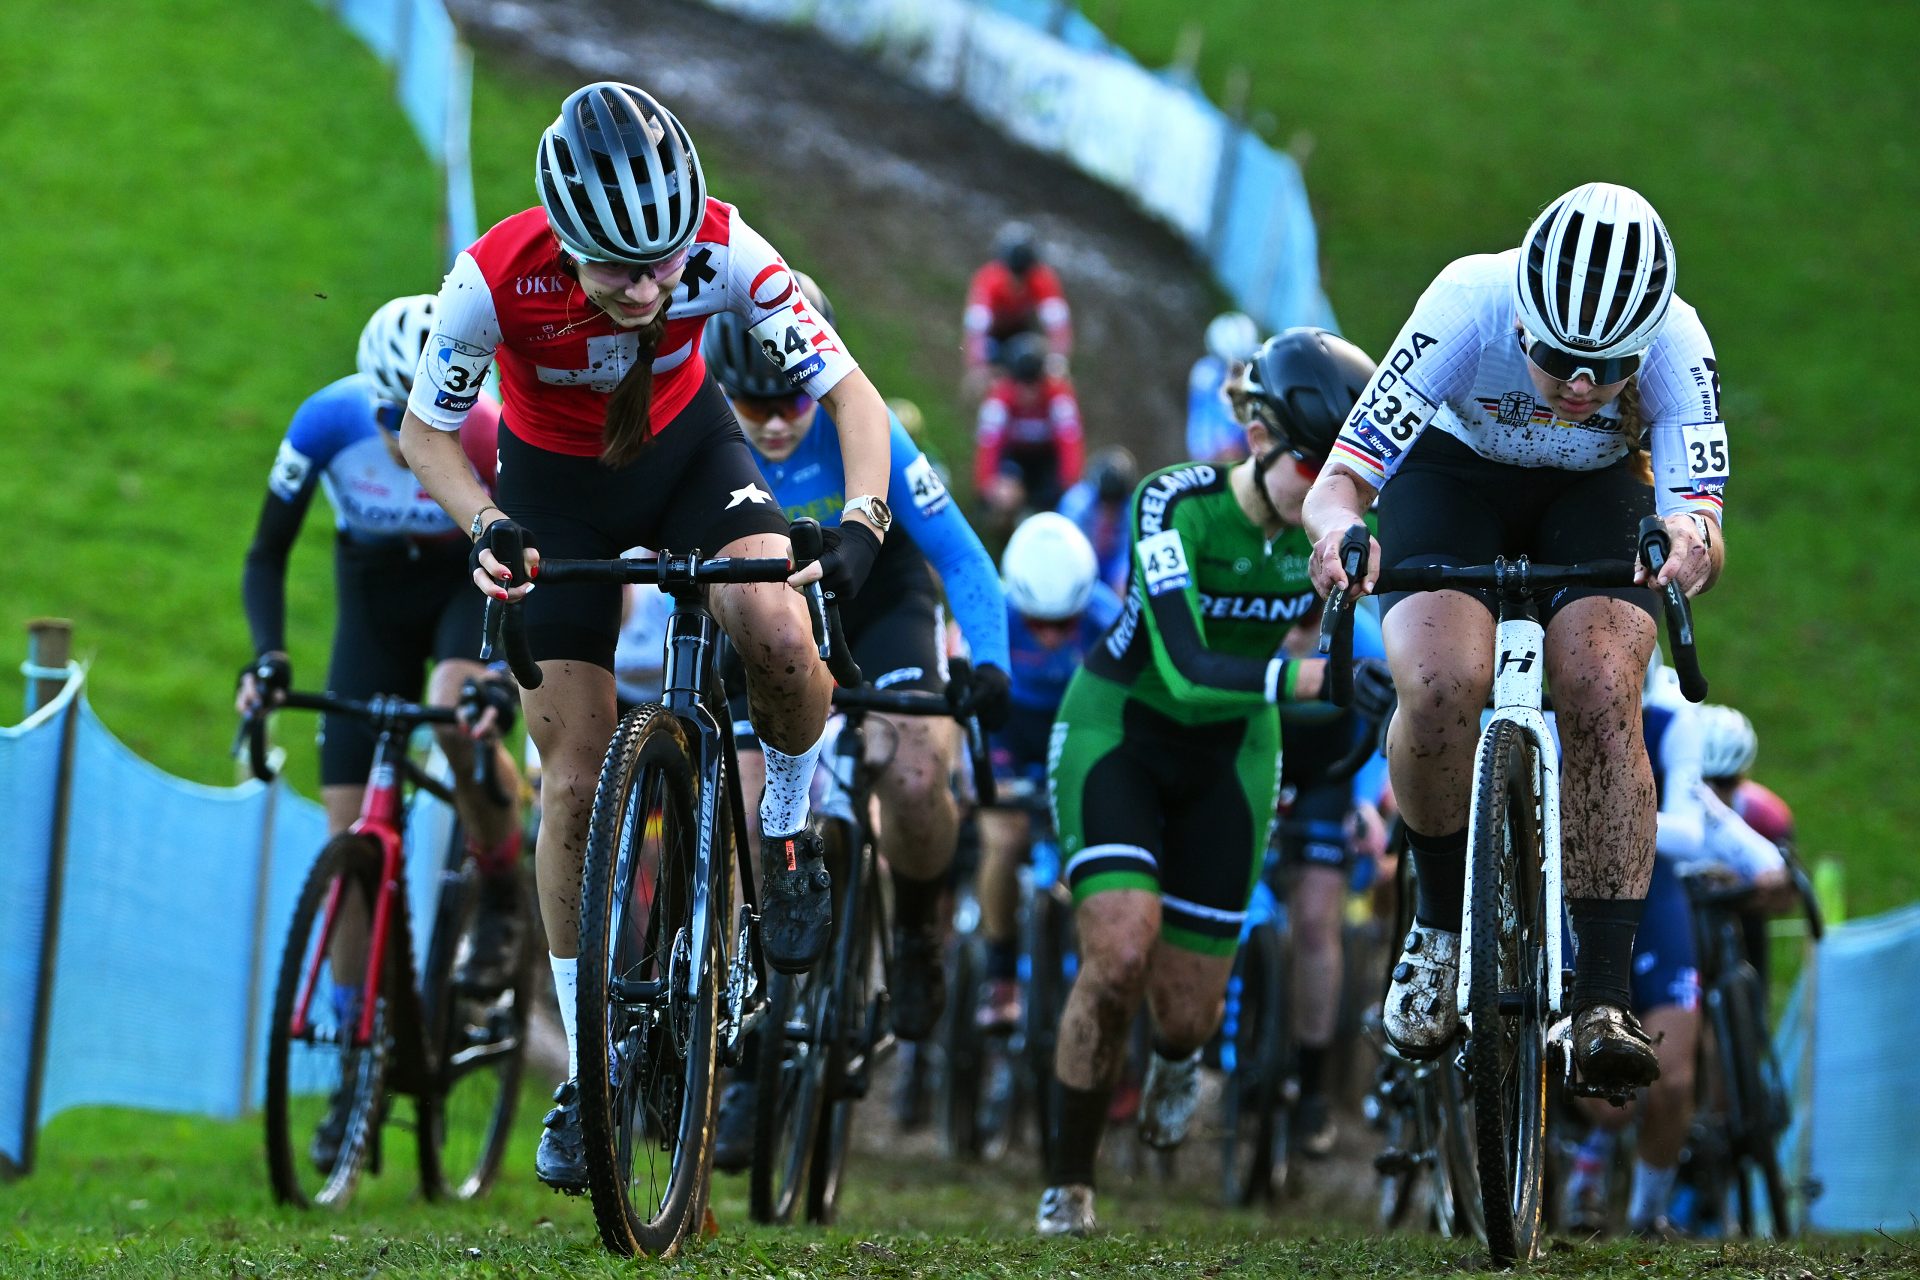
{"x": 391, "y": 344}
{"x": 1595, "y": 274}
{"x": 735, "y": 358}
{"x": 619, "y": 178}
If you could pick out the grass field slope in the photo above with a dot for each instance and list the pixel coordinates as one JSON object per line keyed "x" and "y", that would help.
{"x": 1778, "y": 140}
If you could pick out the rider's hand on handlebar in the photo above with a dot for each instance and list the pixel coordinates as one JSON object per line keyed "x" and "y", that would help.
{"x": 253, "y": 690}
{"x": 1373, "y": 695}
{"x": 490, "y": 573}
{"x": 988, "y": 695}
{"x": 847, "y": 556}
{"x": 1324, "y": 566}
{"x": 487, "y": 706}
{"x": 1689, "y": 562}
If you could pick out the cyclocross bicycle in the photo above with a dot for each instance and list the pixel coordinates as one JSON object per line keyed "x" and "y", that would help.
{"x": 671, "y": 981}
{"x": 351, "y": 1025}
{"x": 830, "y": 1029}
{"x": 1512, "y": 965}
{"x": 1733, "y": 1151}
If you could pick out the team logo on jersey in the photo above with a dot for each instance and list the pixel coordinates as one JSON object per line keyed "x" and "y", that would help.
{"x": 527, "y": 286}
{"x": 1514, "y": 410}
{"x": 751, "y": 493}
{"x": 1154, "y": 500}
{"x": 1258, "y": 608}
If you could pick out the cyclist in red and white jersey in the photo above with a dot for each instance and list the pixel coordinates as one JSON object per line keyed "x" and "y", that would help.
{"x": 1560, "y": 359}
{"x": 1029, "y": 447}
{"x": 592, "y": 303}
{"x": 1016, "y": 292}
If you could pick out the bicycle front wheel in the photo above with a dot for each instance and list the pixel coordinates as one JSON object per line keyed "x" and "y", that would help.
{"x": 792, "y": 1082}
{"x": 853, "y": 1026}
{"x": 325, "y": 1094}
{"x": 1507, "y": 993}
{"x": 476, "y": 1029}
{"x": 648, "y": 1004}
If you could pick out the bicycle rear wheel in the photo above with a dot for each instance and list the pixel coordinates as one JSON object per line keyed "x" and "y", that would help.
{"x": 792, "y": 1082}
{"x": 477, "y": 1038}
{"x": 1253, "y": 1140}
{"x": 325, "y": 1097}
{"x": 1756, "y": 1105}
{"x": 1506, "y": 998}
{"x": 649, "y": 994}
{"x": 1050, "y": 959}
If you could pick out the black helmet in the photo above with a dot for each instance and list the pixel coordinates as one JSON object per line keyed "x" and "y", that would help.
{"x": 1302, "y": 383}
{"x": 739, "y": 364}
{"x": 1017, "y": 247}
{"x": 1025, "y": 356}
{"x": 1113, "y": 473}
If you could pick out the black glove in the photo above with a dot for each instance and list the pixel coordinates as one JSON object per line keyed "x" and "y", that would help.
{"x": 273, "y": 672}
{"x": 988, "y": 696}
{"x": 500, "y": 694}
{"x": 847, "y": 558}
{"x": 1373, "y": 694}
{"x": 509, "y": 542}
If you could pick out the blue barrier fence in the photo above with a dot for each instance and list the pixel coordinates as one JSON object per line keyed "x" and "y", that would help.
{"x": 141, "y": 924}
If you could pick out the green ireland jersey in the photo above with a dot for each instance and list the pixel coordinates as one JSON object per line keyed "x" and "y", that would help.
{"x": 1209, "y": 600}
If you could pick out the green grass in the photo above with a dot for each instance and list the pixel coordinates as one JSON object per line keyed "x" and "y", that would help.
{"x": 129, "y": 1194}
{"x": 1777, "y": 139}
{"x": 188, "y": 256}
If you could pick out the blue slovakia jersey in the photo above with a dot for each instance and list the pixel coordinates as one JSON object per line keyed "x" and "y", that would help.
{"x": 1040, "y": 674}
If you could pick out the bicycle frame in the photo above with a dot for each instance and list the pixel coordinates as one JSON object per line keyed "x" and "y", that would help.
{"x": 1518, "y": 680}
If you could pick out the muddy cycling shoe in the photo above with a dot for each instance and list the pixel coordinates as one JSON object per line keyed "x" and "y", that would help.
{"x": 561, "y": 1162}
{"x": 918, "y": 991}
{"x": 1314, "y": 1131}
{"x": 796, "y": 901}
{"x": 491, "y": 952}
{"x": 733, "y": 1137}
{"x": 331, "y": 1132}
{"x": 1611, "y": 1051}
{"x": 1168, "y": 1099}
{"x": 1419, "y": 1016}
{"x": 1065, "y": 1211}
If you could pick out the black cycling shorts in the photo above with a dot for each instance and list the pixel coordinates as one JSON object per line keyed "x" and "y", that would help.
{"x": 692, "y": 488}
{"x": 396, "y": 611}
{"x": 1448, "y": 505}
{"x": 898, "y": 637}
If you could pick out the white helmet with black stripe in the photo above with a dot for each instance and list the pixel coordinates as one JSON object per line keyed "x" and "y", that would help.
{"x": 1595, "y": 275}
{"x": 391, "y": 343}
{"x": 619, "y": 178}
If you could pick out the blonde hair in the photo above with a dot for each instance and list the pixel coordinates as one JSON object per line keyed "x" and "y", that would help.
{"x": 1633, "y": 425}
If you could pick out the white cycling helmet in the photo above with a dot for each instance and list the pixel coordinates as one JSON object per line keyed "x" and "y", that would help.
{"x": 619, "y": 178}
{"x": 1049, "y": 568}
{"x": 1232, "y": 336}
{"x": 1595, "y": 274}
{"x": 391, "y": 344}
{"x": 1728, "y": 743}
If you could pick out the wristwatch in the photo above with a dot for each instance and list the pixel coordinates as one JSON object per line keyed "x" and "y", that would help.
{"x": 875, "y": 509}
{"x": 1705, "y": 527}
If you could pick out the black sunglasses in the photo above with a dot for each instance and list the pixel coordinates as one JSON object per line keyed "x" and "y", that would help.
{"x": 1565, "y": 366}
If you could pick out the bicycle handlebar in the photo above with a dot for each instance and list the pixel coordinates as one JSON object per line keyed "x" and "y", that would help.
{"x": 376, "y": 710}
{"x": 1520, "y": 576}
{"x": 918, "y": 702}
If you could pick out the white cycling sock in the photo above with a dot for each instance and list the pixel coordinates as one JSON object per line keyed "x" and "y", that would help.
{"x": 1652, "y": 1188}
{"x": 566, "y": 986}
{"x": 784, "y": 807}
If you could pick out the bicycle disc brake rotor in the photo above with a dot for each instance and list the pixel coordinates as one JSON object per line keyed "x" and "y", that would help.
{"x": 680, "y": 992}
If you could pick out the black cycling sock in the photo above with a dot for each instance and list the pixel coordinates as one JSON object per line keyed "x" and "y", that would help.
{"x": 1164, "y": 1048}
{"x": 916, "y": 901}
{"x": 1079, "y": 1118}
{"x": 1313, "y": 1069}
{"x": 1441, "y": 863}
{"x": 1003, "y": 961}
{"x": 1603, "y": 930}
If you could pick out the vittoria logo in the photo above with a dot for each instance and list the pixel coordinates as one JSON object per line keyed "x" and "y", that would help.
{"x": 1516, "y": 409}
{"x": 526, "y": 286}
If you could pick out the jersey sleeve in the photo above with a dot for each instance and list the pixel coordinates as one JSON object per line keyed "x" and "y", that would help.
{"x": 989, "y": 437}
{"x": 799, "y": 342}
{"x": 928, "y": 513}
{"x": 1063, "y": 413}
{"x": 1050, "y": 304}
{"x": 1680, "y": 394}
{"x": 309, "y": 445}
{"x": 1680, "y": 825}
{"x": 1431, "y": 361}
{"x": 454, "y": 363}
{"x": 1163, "y": 569}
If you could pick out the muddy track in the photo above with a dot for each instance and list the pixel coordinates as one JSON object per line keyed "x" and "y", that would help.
{"x": 897, "y": 194}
